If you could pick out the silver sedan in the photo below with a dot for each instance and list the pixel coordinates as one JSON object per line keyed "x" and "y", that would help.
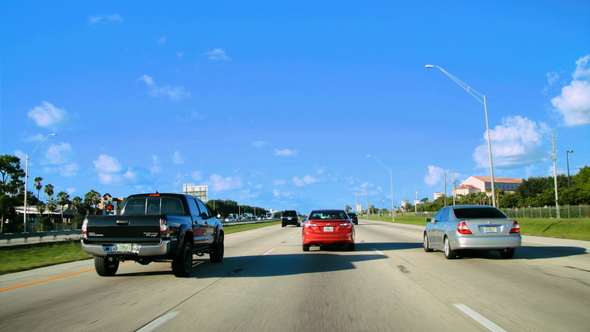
{"x": 471, "y": 227}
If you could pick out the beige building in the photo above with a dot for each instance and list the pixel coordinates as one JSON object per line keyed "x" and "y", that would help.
{"x": 475, "y": 184}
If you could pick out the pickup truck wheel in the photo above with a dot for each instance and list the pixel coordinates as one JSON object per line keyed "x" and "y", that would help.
{"x": 183, "y": 263}
{"x": 106, "y": 266}
{"x": 216, "y": 256}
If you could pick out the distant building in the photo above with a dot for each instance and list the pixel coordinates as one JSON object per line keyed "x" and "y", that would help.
{"x": 476, "y": 184}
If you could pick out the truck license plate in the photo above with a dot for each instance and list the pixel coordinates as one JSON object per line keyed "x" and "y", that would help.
{"x": 124, "y": 247}
{"x": 490, "y": 229}
{"x": 328, "y": 229}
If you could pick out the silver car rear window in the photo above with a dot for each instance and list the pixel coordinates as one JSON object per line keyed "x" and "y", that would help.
{"x": 474, "y": 213}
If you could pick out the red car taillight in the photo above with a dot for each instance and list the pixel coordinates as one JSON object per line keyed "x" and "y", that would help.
{"x": 346, "y": 224}
{"x": 515, "y": 228}
{"x": 85, "y": 228}
{"x": 463, "y": 229}
{"x": 163, "y": 227}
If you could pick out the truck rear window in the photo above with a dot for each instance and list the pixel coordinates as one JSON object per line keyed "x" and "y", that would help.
{"x": 154, "y": 205}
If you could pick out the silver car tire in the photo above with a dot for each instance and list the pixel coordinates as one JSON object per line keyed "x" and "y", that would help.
{"x": 427, "y": 243}
{"x": 449, "y": 253}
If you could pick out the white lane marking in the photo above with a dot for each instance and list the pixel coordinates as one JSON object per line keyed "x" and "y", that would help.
{"x": 268, "y": 252}
{"x": 479, "y": 318}
{"x": 379, "y": 252}
{"x": 158, "y": 322}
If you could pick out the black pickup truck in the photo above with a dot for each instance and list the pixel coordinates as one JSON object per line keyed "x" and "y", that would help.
{"x": 154, "y": 228}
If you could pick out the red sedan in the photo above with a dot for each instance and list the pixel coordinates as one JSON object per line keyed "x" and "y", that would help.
{"x": 328, "y": 227}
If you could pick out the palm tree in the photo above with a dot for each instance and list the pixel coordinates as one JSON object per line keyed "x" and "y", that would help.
{"x": 38, "y": 186}
{"x": 92, "y": 199}
{"x": 48, "y": 190}
{"x": 51, "y": 206}
{"x": 63, "y": 198}
{"x": 77, "y": 203}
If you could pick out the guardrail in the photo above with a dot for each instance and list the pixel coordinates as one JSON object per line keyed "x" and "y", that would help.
{"x": 40, "y": 235}
{"x": 54, "y": 234}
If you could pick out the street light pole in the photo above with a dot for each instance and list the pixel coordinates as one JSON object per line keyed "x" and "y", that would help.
{"x": 176, "y": 184}
{"x": 27, "y": 179}
{"x": 482, "y": 99}
{"x": 390, "y": 184}
{"x": 567, "y": 160}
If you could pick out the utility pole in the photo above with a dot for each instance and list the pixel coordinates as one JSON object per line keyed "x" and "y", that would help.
{"x": 445, "y": 188}
{"x": 554, "y": 157}
{"x": 453, "y": 182}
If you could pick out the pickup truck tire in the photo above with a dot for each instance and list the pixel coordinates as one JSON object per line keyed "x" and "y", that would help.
{"x": 106, "y": 266}
{"x": 216, "y": 255}
{"x": 182, "y": 264}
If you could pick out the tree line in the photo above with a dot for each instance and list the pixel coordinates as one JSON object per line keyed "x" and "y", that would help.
{"x": 12, "y": 195}
{"x": 532, "y": 192}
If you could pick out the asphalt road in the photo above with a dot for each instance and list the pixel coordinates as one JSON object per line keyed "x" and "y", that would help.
{"x": 267, "y": 283}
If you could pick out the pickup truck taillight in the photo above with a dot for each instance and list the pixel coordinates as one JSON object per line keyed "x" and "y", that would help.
{"x": 84, "y": 228}
{"x": 164, "y": 227}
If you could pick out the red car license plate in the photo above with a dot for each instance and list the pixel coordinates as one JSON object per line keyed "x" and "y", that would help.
{"x": 328, "y": 229}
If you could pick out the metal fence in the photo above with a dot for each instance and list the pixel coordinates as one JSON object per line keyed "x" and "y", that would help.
{"x": 568, "y": 211}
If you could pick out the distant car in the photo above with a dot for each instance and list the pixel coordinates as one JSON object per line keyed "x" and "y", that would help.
{"x": 328, "y": 227}
{"x": 471, "y": 227}
{"x": 353, "y": 216}
{"x": 230, "y": 219}
{"x": 290, "y": 218}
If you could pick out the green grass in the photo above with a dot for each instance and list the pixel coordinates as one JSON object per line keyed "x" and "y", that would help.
{"x": 30, "y": 256}
{"x": 240, "y": 228}
{"x": 574, "y": 228}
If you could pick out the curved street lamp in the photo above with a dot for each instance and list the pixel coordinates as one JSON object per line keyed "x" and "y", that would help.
{"x": 391, "y": 185}
{"x": 482, "y": 99}
{"x": 176, "y": 184}
{"x": 27, "y": 178}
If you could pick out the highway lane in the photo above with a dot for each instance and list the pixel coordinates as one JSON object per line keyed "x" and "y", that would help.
{"x": 267, "y": 283}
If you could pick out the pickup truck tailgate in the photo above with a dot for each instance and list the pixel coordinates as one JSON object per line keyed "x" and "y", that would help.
{"x": 128, "y": 229}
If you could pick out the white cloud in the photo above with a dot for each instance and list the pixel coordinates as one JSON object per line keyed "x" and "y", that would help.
{"x": 179, "y": 54}
{"x": 108, "y": 164}
{"x": 103, "y": 19}
{"x": 574, "y": 102}
{"x": 217, "y": 54}
{"x": 515, "y": 143}
{"x": 435, "y": 174}
{"x": 285, "y": 152}
{"x": 196, "y": 175}
{"x": 161, "y": 41}
{"x": 59, "y": 153}
{"x": 178, "y": 158}
{"x": 259, "y": 144}
{"x": 174, "y": 93}
{"x": 48, "y": 115}
{"x": 308, "y": 179}
{"x": 279, "y": 182}
{"x": 217, "y": 182}
{"x": 66, "y": 170}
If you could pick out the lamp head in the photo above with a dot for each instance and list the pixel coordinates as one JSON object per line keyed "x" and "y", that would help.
{"x": 429, "y": 66}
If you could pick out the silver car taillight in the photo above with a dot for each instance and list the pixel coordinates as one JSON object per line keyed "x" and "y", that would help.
{"x": 515, "y": 227}
{"x": 462, "y": 228}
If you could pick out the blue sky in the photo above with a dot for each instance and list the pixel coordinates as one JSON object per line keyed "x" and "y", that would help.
{"x": 278, "y": 104}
